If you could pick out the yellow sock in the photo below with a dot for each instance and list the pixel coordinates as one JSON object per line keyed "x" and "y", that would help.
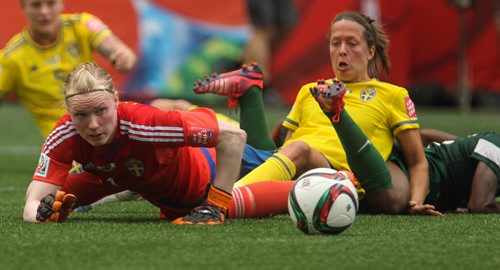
{"x": 277, "y": 168}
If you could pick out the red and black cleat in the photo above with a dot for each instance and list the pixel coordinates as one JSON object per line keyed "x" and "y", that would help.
{"x": 330, "y": 97}
{"x": 233, "y": 84}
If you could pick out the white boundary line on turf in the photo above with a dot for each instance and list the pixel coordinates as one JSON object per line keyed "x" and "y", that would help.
{"x": 19, "y": 150}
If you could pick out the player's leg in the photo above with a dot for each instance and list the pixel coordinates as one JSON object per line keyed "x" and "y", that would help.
{"x": 262, "y": 199}
{"x": 289, "y": 162}
{"x": 123, "y": 196}
{"x": 244, "y": 87}
{"x": 483, "y": 191}
{"x": 364, "y": 159}
{"x": 486, "y": 179}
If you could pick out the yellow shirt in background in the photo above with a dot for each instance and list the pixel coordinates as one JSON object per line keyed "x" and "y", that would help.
{"x": 36, "y": 73}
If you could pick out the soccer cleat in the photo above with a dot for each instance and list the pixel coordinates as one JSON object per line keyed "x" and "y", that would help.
{"x": 233, "y": 84}
{"x": 330, "y": 97}
{"x": 212, "y": 212}
{"x": 205, "y": 214}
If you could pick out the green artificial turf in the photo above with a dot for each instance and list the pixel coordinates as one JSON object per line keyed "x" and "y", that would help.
{"x": 129, "y": 235}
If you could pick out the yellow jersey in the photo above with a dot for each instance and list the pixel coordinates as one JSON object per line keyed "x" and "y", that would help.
{"x": 380, "y": 109}
{"x": 36, "y": 73}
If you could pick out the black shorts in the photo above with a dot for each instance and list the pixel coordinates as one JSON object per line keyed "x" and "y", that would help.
{"x": 280, "y": 13}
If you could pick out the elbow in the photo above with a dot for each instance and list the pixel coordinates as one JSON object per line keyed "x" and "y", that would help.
{"x": 241, "y": 138}
{"x": 234, "y": 137}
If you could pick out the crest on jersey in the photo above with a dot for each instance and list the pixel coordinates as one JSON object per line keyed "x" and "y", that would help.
{"x": 367, "y": 94}
{"x": 76, "y": 168}
{"x": 43, "y": 165}
{"x": 73, "y": 50}
{"x": 135, "y": 167}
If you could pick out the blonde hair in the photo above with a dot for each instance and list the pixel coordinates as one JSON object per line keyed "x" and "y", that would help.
{"x": 85, "y": 78}
{"x": 375, "y": 36}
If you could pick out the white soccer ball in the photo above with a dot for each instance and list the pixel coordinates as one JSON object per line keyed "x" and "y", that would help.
{"x": 323, "y": 201}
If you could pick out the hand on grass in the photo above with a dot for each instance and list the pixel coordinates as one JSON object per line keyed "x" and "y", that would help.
{"x": 423, "y": 209}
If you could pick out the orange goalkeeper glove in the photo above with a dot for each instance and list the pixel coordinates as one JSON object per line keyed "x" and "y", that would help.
{"x": 55, "y": 207}
{"x": 212, "y": 212}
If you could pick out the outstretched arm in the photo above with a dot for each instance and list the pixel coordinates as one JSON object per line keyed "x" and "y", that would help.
{"x": 121, "y": 57}
{"x": 36, "y": 191}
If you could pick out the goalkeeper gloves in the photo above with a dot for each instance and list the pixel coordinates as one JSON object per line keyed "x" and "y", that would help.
{"x": 212, "y": 212}
{"x": 55, "y": 207}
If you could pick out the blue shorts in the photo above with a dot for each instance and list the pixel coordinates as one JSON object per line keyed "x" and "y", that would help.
{"x": 252, "y": 158}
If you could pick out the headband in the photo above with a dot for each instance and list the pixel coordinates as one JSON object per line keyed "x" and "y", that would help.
{"x": 93, "y": 90}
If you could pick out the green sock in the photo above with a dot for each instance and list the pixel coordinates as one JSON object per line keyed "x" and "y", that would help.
{"x": 253, "y": 120}
{"x": 364, "y": 159}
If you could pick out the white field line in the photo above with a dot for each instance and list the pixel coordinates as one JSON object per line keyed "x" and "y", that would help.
{"x": 19, "y": 150}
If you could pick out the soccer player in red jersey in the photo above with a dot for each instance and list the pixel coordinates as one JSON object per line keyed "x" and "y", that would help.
{"x": 183, "y": 162}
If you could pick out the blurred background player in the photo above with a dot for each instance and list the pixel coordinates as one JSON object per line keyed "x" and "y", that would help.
{"x": 35, "y": 61}
{"x": 271, "y": 21}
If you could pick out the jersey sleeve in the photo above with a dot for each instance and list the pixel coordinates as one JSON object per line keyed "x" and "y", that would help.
{"x": 56, "y": 158}
{"x": 201, "y": 127}
{"x": 404, "y": 114}
{"x": 51, "y": 171}
{"x": 292, "y": 119}
{"x": 197, "y": 127}
{"x": 95, "y": 29}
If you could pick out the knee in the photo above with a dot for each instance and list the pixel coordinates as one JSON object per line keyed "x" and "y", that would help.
{"x": 297, "y": 152}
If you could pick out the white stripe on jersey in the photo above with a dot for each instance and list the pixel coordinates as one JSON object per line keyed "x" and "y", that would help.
{"x": 46, "y": 149}
{"x": 488, "y": 150}
{"x": 142, "y": 139}
{"x": 58, "y": 135}
{"x": 151, "y": 133}
{"x": 128, "y": 123}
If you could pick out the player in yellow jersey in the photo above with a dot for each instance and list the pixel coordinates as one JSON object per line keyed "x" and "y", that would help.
{"x": 35, "y": 62}
{"x": 362, "y": 135}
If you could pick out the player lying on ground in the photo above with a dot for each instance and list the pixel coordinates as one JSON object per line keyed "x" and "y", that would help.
{"x": 103, "y": 146}
{"x": 464, "y": 173}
